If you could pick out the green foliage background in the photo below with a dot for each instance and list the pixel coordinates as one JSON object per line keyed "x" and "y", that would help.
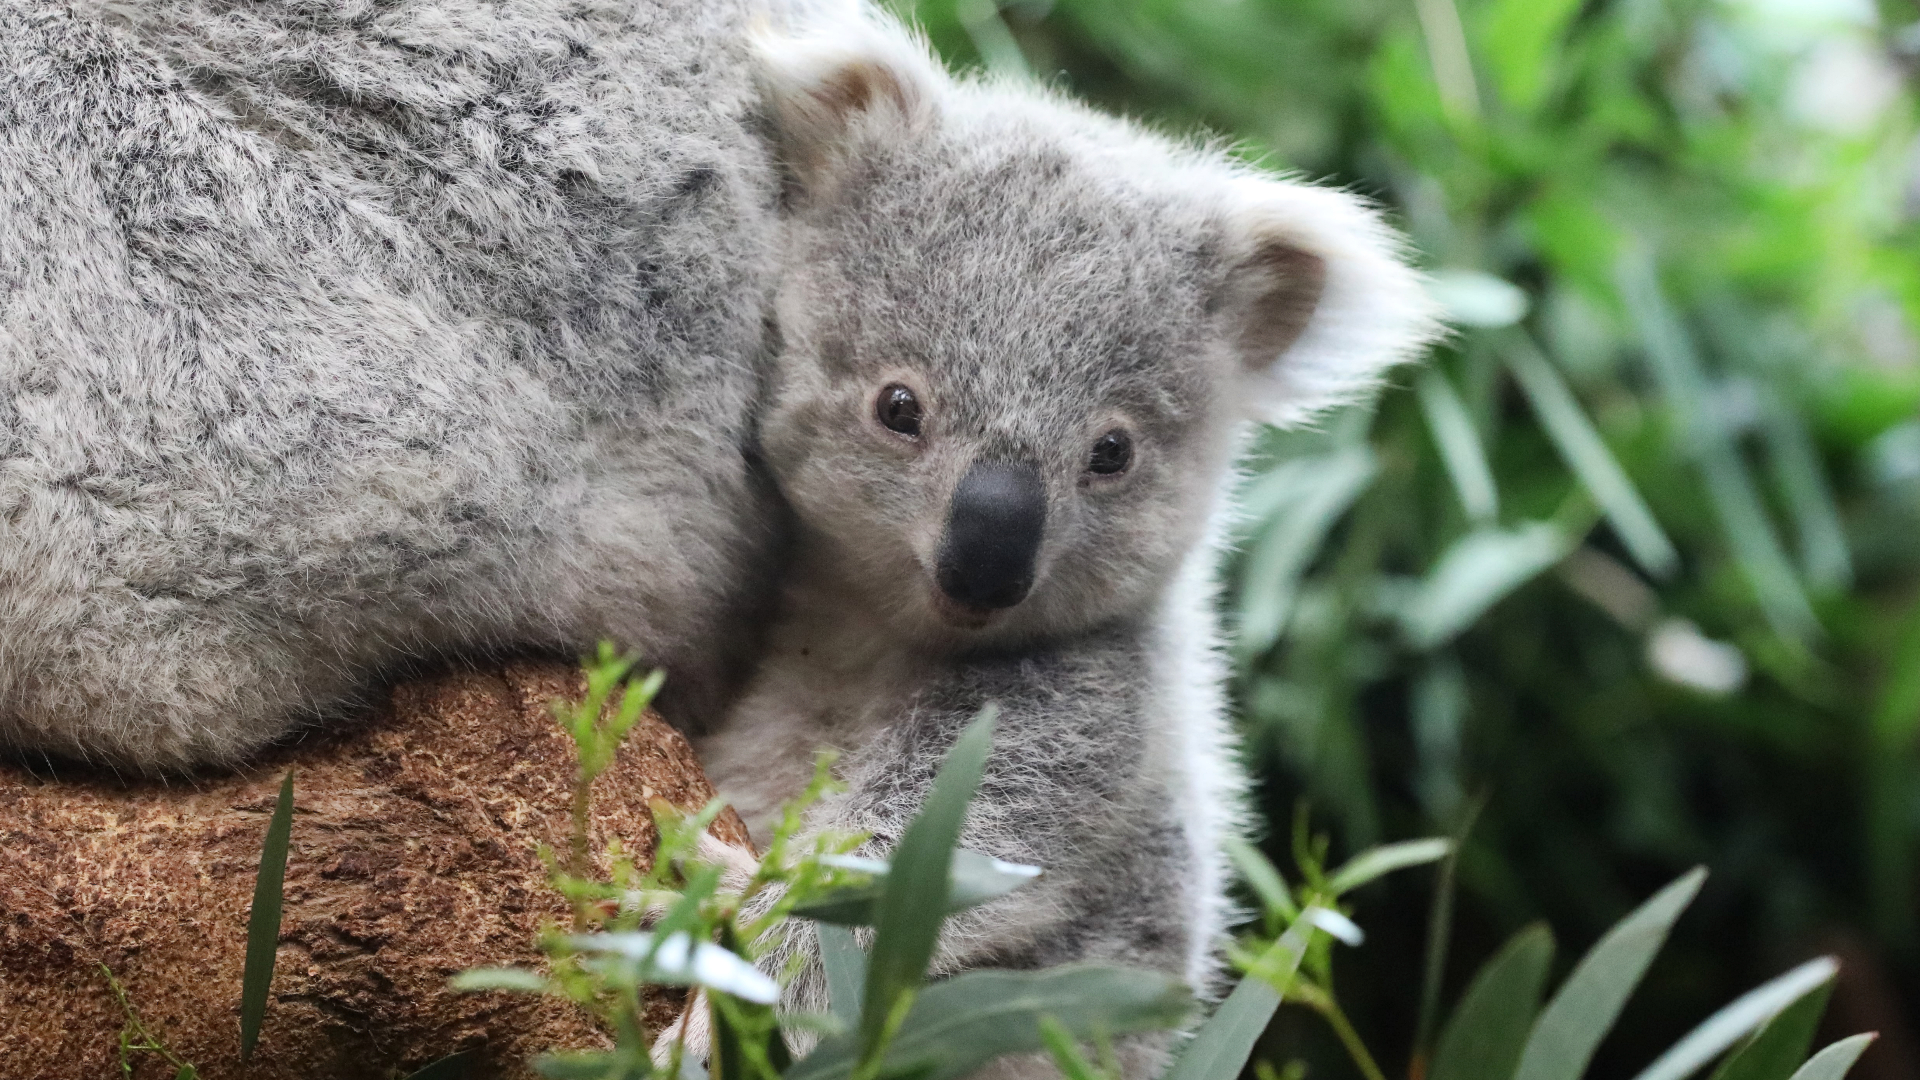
{"x": 1692, "y": 639}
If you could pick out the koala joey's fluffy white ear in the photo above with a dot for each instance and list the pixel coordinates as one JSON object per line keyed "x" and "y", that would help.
{"x": 846, "y": 77}
{"x": 1319, "y": 299}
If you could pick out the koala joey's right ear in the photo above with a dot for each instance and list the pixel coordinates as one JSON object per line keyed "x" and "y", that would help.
{"x": 853, "y": 80}
{"x": 1318, "y": 298}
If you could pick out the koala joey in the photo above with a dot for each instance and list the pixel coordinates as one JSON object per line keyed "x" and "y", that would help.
{"x": 1018, "y": 341}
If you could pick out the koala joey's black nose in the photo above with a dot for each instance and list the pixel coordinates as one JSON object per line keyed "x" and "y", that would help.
{"x": 993, "y": 535}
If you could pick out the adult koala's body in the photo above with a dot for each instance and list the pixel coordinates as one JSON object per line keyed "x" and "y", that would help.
{"x": 336, "y": 334}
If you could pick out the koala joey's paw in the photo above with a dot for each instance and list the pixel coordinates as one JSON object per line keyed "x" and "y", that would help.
{"x": 737, "y": 864}
{"x": 693, "y": 1031}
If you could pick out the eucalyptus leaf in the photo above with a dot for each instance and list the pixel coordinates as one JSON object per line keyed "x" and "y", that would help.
{"x": 263, "y": 920}
{"x": 1460, "y": 447}
{"x": 961, "y": 1024}
{"x": 1834, "y": 1062}
{"x": 1586, "y": 453}
{"x": 1521, "y": 43}
{"x": 1475, "y": 573}
{"x": 1303, "y": 499}
{"x": 846, "y": 969}
{"x": 515, "y": 980}
{"x": 1380, "y": 861}
{"x": 1581, "y": 1013}
{"x": 594, "y": 1065}
{"x": 1730, "y": 488}
{"x": 678, "y": 960}
{"x": 1266, "y": 882}
{"x": 973, "y": 880}
{"x": 912, "y": 904}
{"x": 1484, "y": 1038}
{"x": 1066, "y": 1052}
{"x": 1477, "y": 298}
{"x": 1220, "y": 1048}
{"x": 727, "y": 1058}
{"x": 1776, "y": 1049}
{"x": 1343, "y": 929}
{"x": 1826, "y": 559}
{"x": 1735, "y": 1021}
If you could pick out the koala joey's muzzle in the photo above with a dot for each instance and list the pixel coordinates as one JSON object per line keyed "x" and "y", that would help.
{"x": 993, "y": 535}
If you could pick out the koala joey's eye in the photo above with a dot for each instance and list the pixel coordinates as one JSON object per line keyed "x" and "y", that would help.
{"x": 899, "y": 410}
{"x": 1112, "y": 453}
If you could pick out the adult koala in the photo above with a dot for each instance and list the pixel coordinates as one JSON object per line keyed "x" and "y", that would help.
{"x": 340, "y": 334}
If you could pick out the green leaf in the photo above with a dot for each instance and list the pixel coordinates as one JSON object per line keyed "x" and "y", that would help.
{"x": 1460, "y": 448}
{"x": 263, "y": 920}
{"x": 961, "y": 1024}
{"x": 1834, "y": 1062}
{"x": 634, "y": 957}
{"x": 1475, "y": 573}
{"x": 1825, "y": 557}
{"x": 451, "y": 1067}
{"x": 846, "y": 968}
{"x": 1219, "y": 1050}
{"x": 1385, "y": 859}
{"x": 1587, "y": 455}
{"x": 1298, "y": 504}
{"x": 1266, "y": 882}
{"x": 1774, "y": 1051}
{"x": 1583, "y": 1011}
{"x": 728, "y": 1060}
{"x": 973, "y": 880}
{"x": 1520, "y": 40}
{"x": 747, "y": 1030}
{"x": 1065, "y": 1051}
{"x": 1477, "y": 298}
{"x": 1890, "y": 781}
{"x": 187, "y": 1072}
{"x": 1730, "y": 488}
{"x": 913, "y": 903}
{"x": 1488, "y": 1030}
{"x": 623, "y": 1064}
{"x": 1737, "y": 1020}
{"x": 515, "y": 980}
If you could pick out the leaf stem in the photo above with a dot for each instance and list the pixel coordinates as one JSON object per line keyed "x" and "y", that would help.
{"x": 1320, "y": 1000}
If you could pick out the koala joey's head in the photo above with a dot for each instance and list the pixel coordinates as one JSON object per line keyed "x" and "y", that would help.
{"x": 1017, "y": 337}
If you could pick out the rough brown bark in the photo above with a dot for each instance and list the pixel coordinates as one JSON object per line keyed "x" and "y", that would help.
{"x": 413, "y": 858}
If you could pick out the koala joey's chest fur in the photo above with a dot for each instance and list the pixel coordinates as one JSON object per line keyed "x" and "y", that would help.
{"x": 829, "y": 681}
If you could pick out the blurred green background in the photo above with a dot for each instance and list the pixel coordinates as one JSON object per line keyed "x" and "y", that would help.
{"x": 1633, "y": 568}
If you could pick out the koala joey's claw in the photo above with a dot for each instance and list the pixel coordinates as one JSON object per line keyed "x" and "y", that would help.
{"x": 692, "y": 1032}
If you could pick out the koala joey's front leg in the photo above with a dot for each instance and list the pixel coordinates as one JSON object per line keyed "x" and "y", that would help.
{"x": 1092, "y": 777}
{"x": 1102, "y": 775}
{"x": 1113, "y": 783}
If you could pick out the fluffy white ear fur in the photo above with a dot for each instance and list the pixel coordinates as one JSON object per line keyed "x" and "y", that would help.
{"x": 1321, "y": 299}
{"x": 842, "y": 78}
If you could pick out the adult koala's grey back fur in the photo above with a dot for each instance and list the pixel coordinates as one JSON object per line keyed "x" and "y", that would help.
{"x": 335, "y": 333}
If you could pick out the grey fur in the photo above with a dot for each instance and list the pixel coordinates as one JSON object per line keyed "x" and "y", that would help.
{"x": 1036, "y": 275}
{"x": 337, "y": 335}
{"x": 340, "y": 334}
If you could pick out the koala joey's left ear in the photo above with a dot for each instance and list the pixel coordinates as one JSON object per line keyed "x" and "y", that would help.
{"x": 848, "y": 79}
{"x": 1318, "y": 298}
